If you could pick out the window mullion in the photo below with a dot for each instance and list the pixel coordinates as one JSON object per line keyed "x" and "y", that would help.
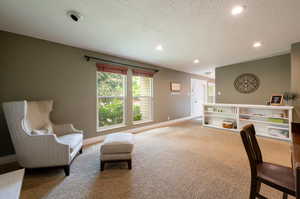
{"x": 129, "y": 99}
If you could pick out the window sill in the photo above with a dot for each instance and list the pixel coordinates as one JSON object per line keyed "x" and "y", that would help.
{"x": 142, "y": 122}
{"x": 117, "y": 126}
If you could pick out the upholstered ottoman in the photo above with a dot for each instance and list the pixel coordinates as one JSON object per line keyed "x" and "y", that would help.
{"x": 117, "y": 147}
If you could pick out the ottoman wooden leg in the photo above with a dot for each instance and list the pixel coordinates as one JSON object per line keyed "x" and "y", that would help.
{"x": 102, "y": 165}
{"x": 67, "y": 170}
{"x": 129, "y": 164}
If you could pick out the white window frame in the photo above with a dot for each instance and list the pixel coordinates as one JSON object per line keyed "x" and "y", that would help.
{"x": 124, "y": 97}
{"x": 151, "y": 104}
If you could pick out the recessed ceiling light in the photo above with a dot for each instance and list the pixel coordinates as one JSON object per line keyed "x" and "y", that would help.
{"x": 236, "y": 10}
{"x": 196, "y": 61}
{"x": 257, "y": 44}
{"x": 159, "y": 47}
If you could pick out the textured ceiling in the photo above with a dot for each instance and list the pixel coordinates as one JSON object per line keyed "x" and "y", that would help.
{"x": 187, "y": 29}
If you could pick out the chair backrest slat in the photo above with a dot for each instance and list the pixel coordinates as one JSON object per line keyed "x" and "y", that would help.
{"x": 251, "y": 147}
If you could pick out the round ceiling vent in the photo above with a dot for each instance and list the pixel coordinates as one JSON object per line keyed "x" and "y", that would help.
{"x": 74, "y": 15}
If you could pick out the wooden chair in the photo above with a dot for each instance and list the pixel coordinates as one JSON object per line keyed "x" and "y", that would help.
{"x": 276, "y": 176}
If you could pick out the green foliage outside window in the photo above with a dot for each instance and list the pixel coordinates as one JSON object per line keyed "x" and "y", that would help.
{"x": 137, "y": 115}
{"x": 110, "y": 111}
{"x": 110, "y": 84}
{"x": 110, "y": 87}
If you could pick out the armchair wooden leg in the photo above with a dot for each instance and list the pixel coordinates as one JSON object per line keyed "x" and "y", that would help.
{"x": 80, "y": 151}
{"x": 102, "y": 165}
{"x": 129, "y": 164}
{"x": 67, "y": 170}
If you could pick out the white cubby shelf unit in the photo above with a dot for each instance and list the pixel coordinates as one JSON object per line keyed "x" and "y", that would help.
{"x": 269, "y": 121}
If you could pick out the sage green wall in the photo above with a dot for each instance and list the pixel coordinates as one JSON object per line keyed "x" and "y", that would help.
{"x": 35, "y": 69}
{"x": 274, "y": 74}
{"x": 295, "y": 78}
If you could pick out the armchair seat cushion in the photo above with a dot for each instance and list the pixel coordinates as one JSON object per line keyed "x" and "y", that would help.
{"x": 73, "y": 140}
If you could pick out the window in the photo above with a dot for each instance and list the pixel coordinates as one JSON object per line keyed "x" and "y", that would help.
{"x": 114, "y": 99}
{"x": 210, "y": 92}
{"x": 111, "y": 99}
{"x": 142, "y": 98}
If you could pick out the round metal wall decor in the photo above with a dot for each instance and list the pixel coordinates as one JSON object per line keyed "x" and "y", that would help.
{"x": 246, "y": 83}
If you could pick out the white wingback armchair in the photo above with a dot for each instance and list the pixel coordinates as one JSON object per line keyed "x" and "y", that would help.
{"x": 37, "y": 141}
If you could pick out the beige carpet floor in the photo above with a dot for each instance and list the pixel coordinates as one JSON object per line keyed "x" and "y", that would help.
{"x": 184, "y": 161}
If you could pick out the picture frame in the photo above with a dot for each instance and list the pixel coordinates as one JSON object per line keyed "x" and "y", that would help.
{"x": 276, "y": 100}
{"x": 175, "y": 87}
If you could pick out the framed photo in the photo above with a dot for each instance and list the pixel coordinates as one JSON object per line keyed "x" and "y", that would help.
{"x": 276, "y": 100}
{"x": 175, "y": 87}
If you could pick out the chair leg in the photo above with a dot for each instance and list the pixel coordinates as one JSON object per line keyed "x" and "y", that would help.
{"x": 284, "y": 196}
{"x": 67, "y": 170}
{"x": 80, "y": 151}
{"x": 258, "y": 186}
{"x": 253, "y": 188}
{"x": 102, "y": 165}
{"x": 129, "y": 162}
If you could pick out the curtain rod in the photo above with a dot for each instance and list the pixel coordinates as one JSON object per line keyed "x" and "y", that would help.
{"x": 88, "y": 58}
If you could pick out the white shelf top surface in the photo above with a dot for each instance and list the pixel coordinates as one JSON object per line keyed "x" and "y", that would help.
{"x": 251, "y": 106}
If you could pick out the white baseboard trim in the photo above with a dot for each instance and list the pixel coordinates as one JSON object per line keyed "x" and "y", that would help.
{"x": 8, "y": 159}
{"x": 12, "y": 158}
{"x": 159, "y": 124}
{"x": 97, "y": 139}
